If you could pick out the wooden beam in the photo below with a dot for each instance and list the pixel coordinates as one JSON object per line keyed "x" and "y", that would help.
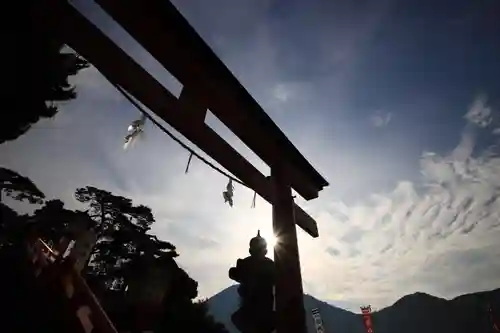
{"x": 166, "y": 34}
{"x": 116, "y": 66}
{"x": 290, "y": 316}
{"x": 189, "y": 103}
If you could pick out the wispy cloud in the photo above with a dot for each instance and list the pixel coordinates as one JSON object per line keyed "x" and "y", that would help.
{"x": 440, "y": 237}
{"x": 480, "y": 113}
{"x": 381, "y": 119}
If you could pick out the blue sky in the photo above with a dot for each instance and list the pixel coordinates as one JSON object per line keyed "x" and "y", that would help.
{"x": 395, "y": 102}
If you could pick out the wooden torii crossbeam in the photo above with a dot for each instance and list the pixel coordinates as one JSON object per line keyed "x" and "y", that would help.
{"x": 207, "y": 84}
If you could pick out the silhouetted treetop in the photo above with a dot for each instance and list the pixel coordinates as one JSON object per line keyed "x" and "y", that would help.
{"x": 36, "y": 77}
{"x": 121, "y": 227}
{"x": 109, "y": 210}
{"x": 18, "y": 187}
{"x": 53, "y": 221}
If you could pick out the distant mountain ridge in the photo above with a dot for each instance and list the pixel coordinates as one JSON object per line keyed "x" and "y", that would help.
{"x": 415, "y": 313}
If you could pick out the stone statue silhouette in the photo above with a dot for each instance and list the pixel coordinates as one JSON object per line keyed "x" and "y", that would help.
{"x": 256, "y": 275}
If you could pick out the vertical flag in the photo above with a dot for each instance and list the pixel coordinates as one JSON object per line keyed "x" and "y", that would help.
{"x": 317, "y": 321}
{"x": 366, "y": 312}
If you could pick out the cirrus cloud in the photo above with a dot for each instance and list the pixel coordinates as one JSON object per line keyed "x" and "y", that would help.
{"x": 440, "y": 236}
{"x": 381, "y": 119}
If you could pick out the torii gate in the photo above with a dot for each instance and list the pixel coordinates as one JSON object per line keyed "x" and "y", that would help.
{"x": 207, "y": 84}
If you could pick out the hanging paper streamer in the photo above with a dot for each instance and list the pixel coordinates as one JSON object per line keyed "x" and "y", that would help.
{"x": 228, "y": 193}
{"x": 253, "y": 200}
{"x": 366, "y": 311}
{"x": 188, "y": 163}
{"x": 134, "y": 131}
{"x": 317, "y": 321}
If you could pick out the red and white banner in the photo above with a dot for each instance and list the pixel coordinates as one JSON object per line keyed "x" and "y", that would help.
{"x": 366, "y": 312}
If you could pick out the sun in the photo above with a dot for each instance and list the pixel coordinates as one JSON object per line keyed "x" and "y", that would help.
{"x": 272, "y": 241}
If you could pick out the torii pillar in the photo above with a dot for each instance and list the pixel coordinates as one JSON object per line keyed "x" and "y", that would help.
{"x": 290, "y": 312}
{"x": 207, "y": 84}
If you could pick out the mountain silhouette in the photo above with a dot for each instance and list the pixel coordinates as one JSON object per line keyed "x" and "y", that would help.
{"x": 415, "y": 313}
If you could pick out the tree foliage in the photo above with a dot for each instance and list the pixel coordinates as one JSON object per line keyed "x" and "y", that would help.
{"x": 21, "y": 188}
{"x": 124, "y": 247}
{"x": 53, "y": 221}
{"x": 11, "y": 225}
{"x": 18, "y": 187}
{"x": 36, "y": 74}
{"x": 123, "y": 252}
{"x": 122, "y": 239}
{"x": 111, "y": 211}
